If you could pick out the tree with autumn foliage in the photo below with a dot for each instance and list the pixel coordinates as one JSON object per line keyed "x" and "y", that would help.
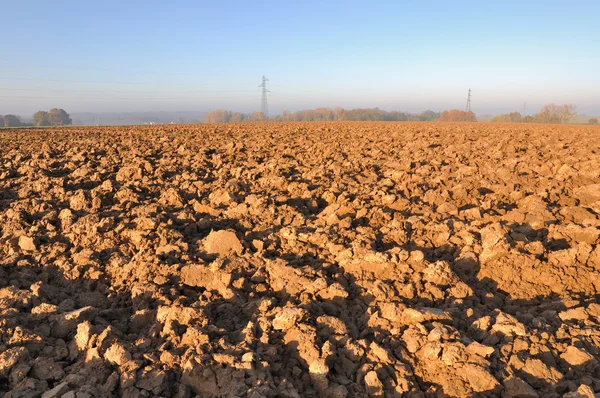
{"x": 258, "y": 117}
{"x": 40, "y": 118}
{"x": 58, "y": 117}
{"x": 54, "y": 117}
{"x": 455, "y": 115}
{"x": 513, "y": 117}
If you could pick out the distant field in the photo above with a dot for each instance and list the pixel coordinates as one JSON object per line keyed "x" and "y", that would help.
{"x": 300, "y": 259}
{"x": 584, "y": 119}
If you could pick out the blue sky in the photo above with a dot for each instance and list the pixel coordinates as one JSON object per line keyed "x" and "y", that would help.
{"x": 398, "y": 55}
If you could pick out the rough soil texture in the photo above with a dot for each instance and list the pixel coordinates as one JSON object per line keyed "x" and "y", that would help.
{"x": 289, "y": 260}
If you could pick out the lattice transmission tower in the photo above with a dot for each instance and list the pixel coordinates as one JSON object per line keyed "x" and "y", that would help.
{"x": 264, "y": 106}
{"x": 468, "y": 108}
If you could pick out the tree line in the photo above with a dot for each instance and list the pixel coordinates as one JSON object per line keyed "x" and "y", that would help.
{"x": 550, "y": 113}
{"x": 455, "y": 115}
{"x": 225, "y": 116}
{"x": 54, "y": 117}
{"x": 321, "y": 115}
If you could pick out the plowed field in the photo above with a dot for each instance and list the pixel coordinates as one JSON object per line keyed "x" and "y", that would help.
{"x": 300, "y": 260}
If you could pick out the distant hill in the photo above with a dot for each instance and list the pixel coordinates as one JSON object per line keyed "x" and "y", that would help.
{"x": 135, "y": 118}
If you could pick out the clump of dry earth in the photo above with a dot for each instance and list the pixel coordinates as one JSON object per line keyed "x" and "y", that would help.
{"x": 289, "y": 260}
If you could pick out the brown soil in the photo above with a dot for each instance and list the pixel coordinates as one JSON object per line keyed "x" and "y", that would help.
{"x": 288, "y": 260}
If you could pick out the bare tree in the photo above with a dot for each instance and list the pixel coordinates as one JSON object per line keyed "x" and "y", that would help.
{"x": 552, "y": 113}
{"x": 217, "y": 116}
{"x": 548, "y": 114}
{"x": 567, "y": 112}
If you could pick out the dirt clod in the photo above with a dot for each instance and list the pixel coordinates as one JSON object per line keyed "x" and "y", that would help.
{"x": 222, "y": 243}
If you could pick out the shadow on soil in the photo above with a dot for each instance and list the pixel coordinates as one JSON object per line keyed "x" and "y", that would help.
{"x": 278, "y": 357}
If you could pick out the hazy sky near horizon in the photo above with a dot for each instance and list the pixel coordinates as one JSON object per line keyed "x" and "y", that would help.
{"x": 199, "y": 55}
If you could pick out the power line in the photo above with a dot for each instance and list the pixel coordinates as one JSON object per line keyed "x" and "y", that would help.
{"x": 120, "y": 98}
{"x": 264, "y": 107}
{"x": 115, "y": 92}
{"x": 64, "y": 81}
{"x": 83, "y": 69}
